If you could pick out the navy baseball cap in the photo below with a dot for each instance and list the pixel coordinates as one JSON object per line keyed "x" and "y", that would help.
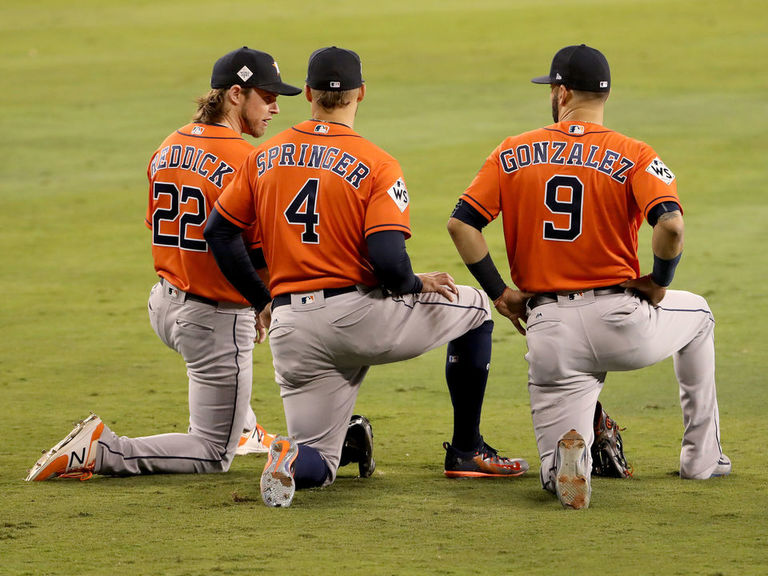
{"x": 251, "y": 68}
{"x": 334, "y": 69}
{"x": 579, "y": 68}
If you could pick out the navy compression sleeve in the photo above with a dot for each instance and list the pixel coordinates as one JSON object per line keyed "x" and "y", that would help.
{"x": 226, "y": 242}
{"x": 391, "y": 264}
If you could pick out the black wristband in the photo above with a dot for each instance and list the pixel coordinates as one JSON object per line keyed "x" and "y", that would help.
{"x": 488, "y": 277}
{"x": 664, "y": 270}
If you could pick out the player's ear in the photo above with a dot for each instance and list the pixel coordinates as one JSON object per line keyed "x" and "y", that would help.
{"x": 308, "y": 93}
{"x": 361, "y": 93}
{"x": 234, "y": 93}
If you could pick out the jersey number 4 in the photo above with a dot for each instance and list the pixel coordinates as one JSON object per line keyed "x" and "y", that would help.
{"x": 302, "y": 211}
{"x": 571, "y": 207}
{"x": 188, "y": 208}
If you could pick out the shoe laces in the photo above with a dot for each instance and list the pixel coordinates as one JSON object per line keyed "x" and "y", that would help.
{"x": 81, "y": 474}
{"x": 488, "y": 453}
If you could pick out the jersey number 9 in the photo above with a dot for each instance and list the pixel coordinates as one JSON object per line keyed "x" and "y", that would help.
{"x": 571, "y": 207}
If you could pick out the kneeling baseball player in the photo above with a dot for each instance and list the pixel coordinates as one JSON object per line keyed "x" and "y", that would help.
{"x": 192, "y": 308}
{"x": 573, "y": 195}
{"x": 332, "y": 211}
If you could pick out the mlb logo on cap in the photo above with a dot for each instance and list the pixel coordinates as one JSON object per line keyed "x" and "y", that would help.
{"x": 334, "y": 69}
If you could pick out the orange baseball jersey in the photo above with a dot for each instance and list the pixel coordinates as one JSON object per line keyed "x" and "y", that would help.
{"x": 573, "y": 196}
{"x": 315, "y": 192}
{"x": 186, "y": 175}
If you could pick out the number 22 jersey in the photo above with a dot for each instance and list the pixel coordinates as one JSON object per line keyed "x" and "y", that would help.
{"x": 186, "y": 175}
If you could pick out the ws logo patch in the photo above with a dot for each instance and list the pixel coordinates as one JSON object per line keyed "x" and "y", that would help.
{"x": 399, "y": 194}
{"x": 658, "y": 169}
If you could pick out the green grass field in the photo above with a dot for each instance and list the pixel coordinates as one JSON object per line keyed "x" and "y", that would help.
{"x": 89, "y": 90}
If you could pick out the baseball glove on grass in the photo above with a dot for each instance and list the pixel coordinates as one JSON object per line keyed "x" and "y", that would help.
{"x": 608, "y": 448}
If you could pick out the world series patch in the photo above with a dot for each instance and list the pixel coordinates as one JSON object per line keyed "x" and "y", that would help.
{"x": 399, "y": 194}
{"x": 658, "y": 169}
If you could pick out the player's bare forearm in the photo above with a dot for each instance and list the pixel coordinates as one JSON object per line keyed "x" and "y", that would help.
{"x": 667, "y": 240}
{"x": 469, "y": 241}
{"x": 440, "y": 282}
{"x": 667, "y": 243}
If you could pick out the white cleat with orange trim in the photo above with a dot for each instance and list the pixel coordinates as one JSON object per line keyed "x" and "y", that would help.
{"x": 74, "y": 456}
{"x": 255, "y": 441}
{"x": 277, "y": 483}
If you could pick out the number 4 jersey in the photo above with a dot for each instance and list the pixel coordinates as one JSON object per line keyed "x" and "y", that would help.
{"x": 573, "y": 196}
{"x": 314, "y": 193}
{"x": 186, "y": 175}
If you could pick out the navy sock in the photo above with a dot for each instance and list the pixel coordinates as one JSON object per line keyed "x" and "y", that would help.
{"x": 466, "y": 371}
{"x": 309, "y": 469}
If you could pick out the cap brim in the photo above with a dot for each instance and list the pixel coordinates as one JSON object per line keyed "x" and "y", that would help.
{"x": 281, "y": 88}
{"x": 542, "y": 80}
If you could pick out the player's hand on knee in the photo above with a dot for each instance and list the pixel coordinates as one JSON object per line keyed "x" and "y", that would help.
{"x": 511, "y": 304}
{"x": 646, "y": 289}
{"x": 440, "y": 282}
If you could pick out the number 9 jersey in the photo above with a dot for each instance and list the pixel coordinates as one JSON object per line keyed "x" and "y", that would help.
{"x": 186, "y": 175}
{"x": 315, "y": 192}
{"x": 573, "y": 195}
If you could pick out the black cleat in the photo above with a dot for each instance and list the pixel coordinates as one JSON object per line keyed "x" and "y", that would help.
{"x": 358, "y": 446}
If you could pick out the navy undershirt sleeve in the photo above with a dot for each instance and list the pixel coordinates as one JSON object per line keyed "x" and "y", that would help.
{"x": 226, "y": 242}
{"x": 467, "y": 214}
{"x": 661, "y": 208}
{"x": 257, "y": 258}
{"x": 391, "y": 264}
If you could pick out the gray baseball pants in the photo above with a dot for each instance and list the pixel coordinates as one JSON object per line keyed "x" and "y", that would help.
{"x": 322, "y": 349}
{"x": 574, "y": 342}
{"x": 216, "y": 343}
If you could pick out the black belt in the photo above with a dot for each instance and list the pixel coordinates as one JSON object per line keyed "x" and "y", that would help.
{"x": 283, "y": 299}
{"x": 202, "y": 299}
{"x": 551, "y": 297}
{"x": 194, "y": 297}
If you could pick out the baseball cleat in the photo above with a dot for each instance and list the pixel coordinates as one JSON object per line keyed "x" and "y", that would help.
{"x": 484, "y": 462}
{"x": 723, "y": 467}
{"x": 608, "y": 447}
{"x": 255, "y": 441}
{"x": 277, "y": 483}
{"x": 358, "y": 446}
{"x": 572, "y": 479}
{"x": 74, "y": 456}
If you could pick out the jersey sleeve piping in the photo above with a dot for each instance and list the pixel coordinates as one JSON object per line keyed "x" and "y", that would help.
{"x": 480, "y": 206}
{"x": 658, "y": 199}
{"x": 380, "y": 227}
{"x": 236, "y": 221}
